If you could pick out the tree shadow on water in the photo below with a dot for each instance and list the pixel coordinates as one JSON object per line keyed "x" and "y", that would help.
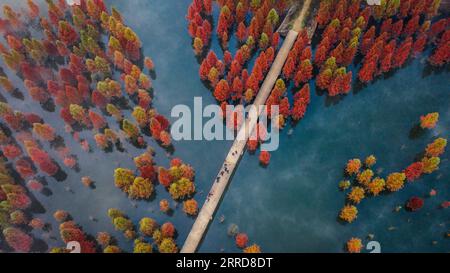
{"x": 49, "y": 106}
{"x": 320, "y": 92}
{"x": 35, "y": 206}
{"x": 429, "y": 70}
{"x": 39, "y": 246}
{"x": 340, "y": 221}
{"x": 47, "y": 192}
{"x": 416, "y": 132}
{"x": 389, "y": 74}
{"x": 358, "y": 86}
{"x": 119, "y": 147}
{"x": 16, "y": 93}
{"x": 169, "y": 149}
{"x": 58, "y": 142}
{"x": 207, "y": 85}
{"x": 60, "y": 176}
{"x": 122, "y": 103}
{"x": 153, "y": 75}
{"x": 3, "y": 99}
{"x": 331, "y": 101}
{"x": 418, "y": 157}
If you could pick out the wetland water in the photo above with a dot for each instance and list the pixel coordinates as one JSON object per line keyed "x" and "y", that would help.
{"x": 292, "y": 205}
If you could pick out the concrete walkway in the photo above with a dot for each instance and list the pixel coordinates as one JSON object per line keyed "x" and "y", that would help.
{"x": 298, "y": 24}
{"x": 237, "y": 150}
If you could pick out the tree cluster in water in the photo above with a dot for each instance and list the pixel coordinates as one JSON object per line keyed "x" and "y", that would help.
{"x": 365, "y": 183}
{"x": 69, "y": 70}
{"x": 373, "y": 39}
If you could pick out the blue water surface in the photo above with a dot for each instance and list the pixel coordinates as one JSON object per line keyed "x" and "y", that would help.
{"x": 291, "y": 206}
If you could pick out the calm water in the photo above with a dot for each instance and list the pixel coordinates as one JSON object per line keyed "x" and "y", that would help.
{"x": 292, "y": 205}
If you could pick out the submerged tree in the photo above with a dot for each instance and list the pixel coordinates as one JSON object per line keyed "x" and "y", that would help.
{"x": 365, "y": 177}
{"x": 44, "y": 131}
{"x": 395, "y": 181}
{"x": 429, "y": 120}
{"x": 42, "y": 159}
{"x": 370, "y": 161}
{"x": 181, "y": 188}
{"x": 103, "y": 238}
{"x": 141, "y": 188}
{"x": 376, "y": 186}
{"x": 354, "y": 245}
{"x": 190, "y": 207}
{"x": 6, "y": 84}
{"x": 436, "y": 148}
{"x": 167, "y": 245}
{"x": 356, "y": 195}
{"x": 344, "y": 184}
{"x": 254, "y": 248}
{"x": 123, "y": 178}
{"x": 101, "y": 141}
{"x": 18, "y": 217}
{"x": 415, "y": 203}
{"x": 78, "y": 113}
{"x": 112, "y": 249}
{"x": 264, "y": 158}
{"x": 168, "y": 230}
{"x": 348, "y": 213}
{"x": 37, "y": 224}
{"x": 122, "y": 224}
{"x": 130, "y": 129}
{"x": 241, "y": 240}
{"x": 61, "y": 215}
{"x": 67, "y": 33}
{"x": 164, "y": 177}
{"x": 142, "y": 247}
{"x": 97, "y": 120}
{"x": 164, "y": 205}
{"x": 414, "y": 171}
{"x": 353, "y": 166}
{"x": 11, "y": 151}
{"x": 430, "y": 164}
{"x": 114, "y": 111}
{"x": 147, "y": 226}
{"x": 17, "y": 239}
